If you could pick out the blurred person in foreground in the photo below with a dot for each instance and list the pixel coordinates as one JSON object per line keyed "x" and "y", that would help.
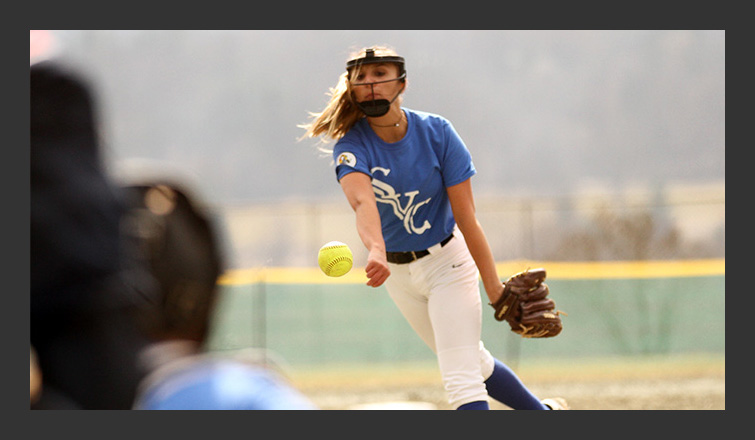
{"x": 178, "y": 242}
{"x": 407, "y": 176}
{"x": 84, "y": 291}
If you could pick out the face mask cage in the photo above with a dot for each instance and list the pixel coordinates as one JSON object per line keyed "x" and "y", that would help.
{"x": 377, "y": 107}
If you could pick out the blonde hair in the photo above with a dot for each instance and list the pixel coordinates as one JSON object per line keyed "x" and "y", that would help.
{"x": 341, "y": 112}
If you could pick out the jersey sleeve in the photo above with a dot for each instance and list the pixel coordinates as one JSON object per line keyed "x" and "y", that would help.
{"x": 350, "y": 157}
{"x": 457, "y": 165}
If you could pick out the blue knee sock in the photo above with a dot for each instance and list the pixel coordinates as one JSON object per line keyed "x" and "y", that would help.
{"x": 504, "y": 386}
{"x": 478, "y": 405}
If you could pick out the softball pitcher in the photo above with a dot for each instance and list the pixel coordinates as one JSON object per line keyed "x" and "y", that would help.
{"x": 406, "y": 174}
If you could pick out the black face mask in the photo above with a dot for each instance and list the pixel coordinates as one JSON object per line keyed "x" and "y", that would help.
{"x": 378, "y": 107}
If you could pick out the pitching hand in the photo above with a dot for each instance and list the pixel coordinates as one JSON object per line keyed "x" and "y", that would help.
{"x": 377, "y": 268}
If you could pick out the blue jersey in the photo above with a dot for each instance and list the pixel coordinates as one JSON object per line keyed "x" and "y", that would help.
{"x": 206, "y": 383}
{"x": 409, "y": 177}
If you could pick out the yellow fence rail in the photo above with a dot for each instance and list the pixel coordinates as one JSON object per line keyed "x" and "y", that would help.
{"x": 556, "y": 270}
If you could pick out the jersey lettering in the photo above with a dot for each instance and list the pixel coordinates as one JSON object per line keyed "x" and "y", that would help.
{"x": 385, "y": 193}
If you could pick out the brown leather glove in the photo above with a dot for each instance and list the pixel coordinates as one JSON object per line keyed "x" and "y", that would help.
{"x": 525, "y": 305}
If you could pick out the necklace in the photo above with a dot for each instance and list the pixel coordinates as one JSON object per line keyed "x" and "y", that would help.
{"x": 397, "y": 124}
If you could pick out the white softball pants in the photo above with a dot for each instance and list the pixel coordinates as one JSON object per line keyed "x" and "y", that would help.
{"x": 439, "y": 295}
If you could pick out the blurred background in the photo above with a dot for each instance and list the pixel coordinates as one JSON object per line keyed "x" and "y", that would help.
{"x": 604, "y": 146}
{"x": 620, "y": 126}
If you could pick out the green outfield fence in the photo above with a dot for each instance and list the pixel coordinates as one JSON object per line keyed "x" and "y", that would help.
{"x": 614, "y": 309}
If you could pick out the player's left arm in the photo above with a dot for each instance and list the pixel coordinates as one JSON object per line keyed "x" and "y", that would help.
{"x": 463, "y": 207}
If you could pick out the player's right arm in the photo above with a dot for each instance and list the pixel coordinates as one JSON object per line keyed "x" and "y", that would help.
{"x": 357, "y": 187}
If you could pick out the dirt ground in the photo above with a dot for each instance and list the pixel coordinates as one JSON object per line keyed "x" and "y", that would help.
{"x": 690, "y": 383}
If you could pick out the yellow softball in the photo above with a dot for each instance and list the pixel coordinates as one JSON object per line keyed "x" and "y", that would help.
{"x": 335, "y": 259}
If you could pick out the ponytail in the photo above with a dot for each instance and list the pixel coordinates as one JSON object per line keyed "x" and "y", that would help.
{"x": 339, "y": 115}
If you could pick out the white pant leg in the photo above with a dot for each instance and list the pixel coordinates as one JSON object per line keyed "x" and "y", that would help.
{"x": 442, "y": 304}
{"x": 411, "y": 301}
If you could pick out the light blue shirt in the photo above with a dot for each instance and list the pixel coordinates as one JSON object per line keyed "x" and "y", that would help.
{"x": 204, "y": 383}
